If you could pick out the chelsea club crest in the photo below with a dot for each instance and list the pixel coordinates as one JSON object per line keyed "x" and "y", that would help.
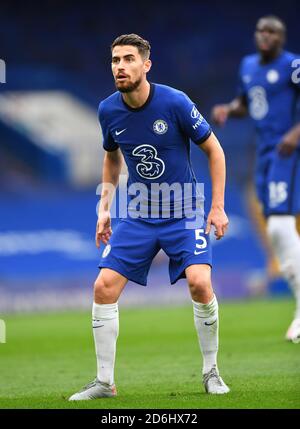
{"x": 160, "y": 126}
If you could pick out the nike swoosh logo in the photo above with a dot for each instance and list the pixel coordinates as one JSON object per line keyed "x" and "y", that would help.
{"x": 209, "y": 324}
{"x": 198, "y": 253}
{"x": 99, "y": 326}
{"x": 120, "y": 132}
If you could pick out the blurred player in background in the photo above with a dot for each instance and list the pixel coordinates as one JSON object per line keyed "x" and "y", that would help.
{"x": 268, "y": 91}
{"x": 151, "y": 125}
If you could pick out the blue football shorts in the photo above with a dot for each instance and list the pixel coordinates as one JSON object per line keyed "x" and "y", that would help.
{"x": 135, "y": 242}
{"x": 278, "y": 183}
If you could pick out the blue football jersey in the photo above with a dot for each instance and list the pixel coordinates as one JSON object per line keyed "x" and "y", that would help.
{"x": 155, "y": 138}
{"x": 271, "y": 96}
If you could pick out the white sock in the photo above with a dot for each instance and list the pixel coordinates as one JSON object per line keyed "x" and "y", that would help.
{"x": 106, "y": 330}
{"x": 207, "y": 326}
{"x": 285, "y": 242}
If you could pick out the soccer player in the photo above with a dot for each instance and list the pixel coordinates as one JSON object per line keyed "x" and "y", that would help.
{"x": 151, "y": 125}
{"x": 268, "y": 90}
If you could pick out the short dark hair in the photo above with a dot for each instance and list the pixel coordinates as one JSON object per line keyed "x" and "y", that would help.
{"x": 141, "y": 44}
{"x": 275, "y": 18}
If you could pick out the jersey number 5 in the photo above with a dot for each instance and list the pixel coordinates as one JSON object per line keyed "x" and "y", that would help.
{"x": 202, "y": 242}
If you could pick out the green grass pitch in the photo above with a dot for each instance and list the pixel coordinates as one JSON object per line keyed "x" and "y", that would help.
{"x": 47, "y": 357}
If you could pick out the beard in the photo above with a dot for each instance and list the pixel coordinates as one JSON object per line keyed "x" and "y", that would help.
{"x": 129, "y": 87}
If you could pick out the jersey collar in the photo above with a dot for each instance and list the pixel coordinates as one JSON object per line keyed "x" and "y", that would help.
{"x": 138, "y": 109}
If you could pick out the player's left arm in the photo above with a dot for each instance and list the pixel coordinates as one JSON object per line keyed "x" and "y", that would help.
{"x": 290, "y": 141}
{"x": 217, "y": 166}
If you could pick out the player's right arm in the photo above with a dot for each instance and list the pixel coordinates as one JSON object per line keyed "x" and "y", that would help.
{"x": 112, "y": 165}
{"x": 237, "y": 108}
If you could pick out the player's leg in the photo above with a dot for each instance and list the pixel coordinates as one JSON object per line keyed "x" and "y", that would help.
{"x": 283, "y": 204}
{"x": 105, "y": 320}
{"x": 298, "y": 223}
{"x": 105, "y": 314}
{"x": 286, "y": 244}
{"x": 260, "y": 222}
{"x": 190, "y": 255}
{"x": 206, "y": 319}
{"x": 121, "y": 260}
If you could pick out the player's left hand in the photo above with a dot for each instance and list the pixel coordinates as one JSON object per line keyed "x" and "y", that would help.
{"x": 219, "y": 219}
{"x": 288, "y": 143}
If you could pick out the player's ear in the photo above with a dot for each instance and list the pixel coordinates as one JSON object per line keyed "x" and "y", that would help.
{"x": 147, "y": 65}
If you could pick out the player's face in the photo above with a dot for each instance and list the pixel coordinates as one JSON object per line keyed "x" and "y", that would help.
{"x": 269, "y": 36}
{"x": 128, "y": 67}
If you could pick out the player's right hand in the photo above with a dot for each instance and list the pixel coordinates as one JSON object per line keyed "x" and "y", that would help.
{"x": 103, "y": 228}
{"x": 219, "y": 114}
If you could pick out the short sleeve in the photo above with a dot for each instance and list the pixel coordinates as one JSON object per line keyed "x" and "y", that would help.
{"x": 295, "y": 76}
{"x": 191, "y": 121}
{"x": 108, "y": 142}
{"x": 241, "y": 90}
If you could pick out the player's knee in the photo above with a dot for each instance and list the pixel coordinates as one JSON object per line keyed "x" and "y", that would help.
{"x": 275, "y": 230}
{"x": 199, "y": 285}
{"x": 282, "y": 230}
{"x": 285, "y": 242}
{"x": 103, "y": 289}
